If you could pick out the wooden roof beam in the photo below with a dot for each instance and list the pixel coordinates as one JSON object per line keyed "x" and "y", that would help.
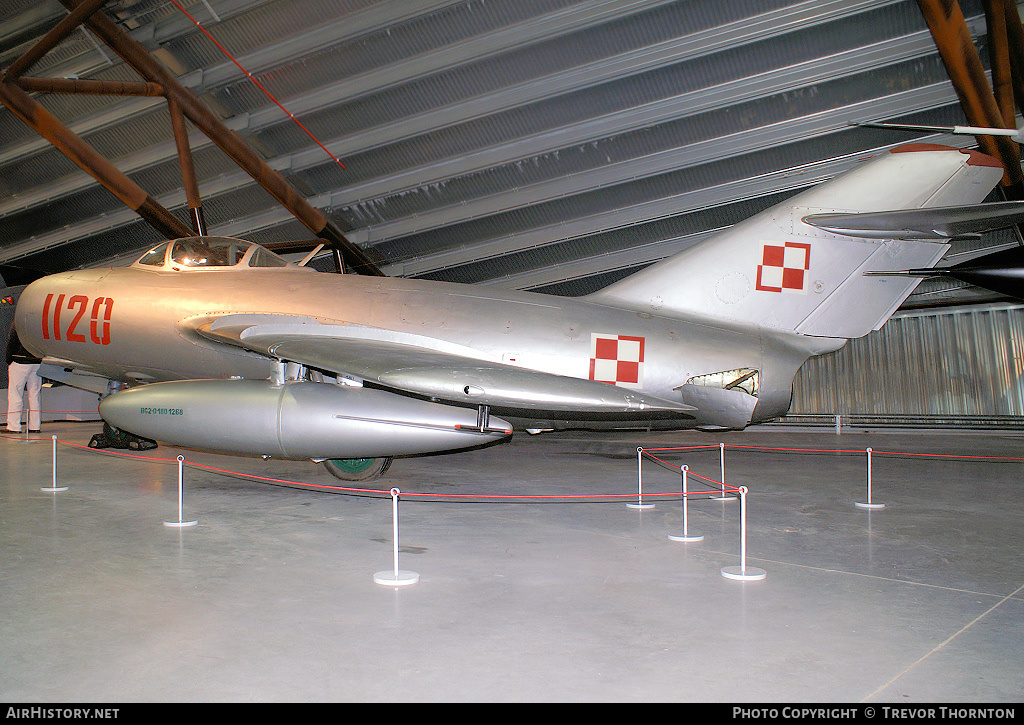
{"x": 953, "y": 40}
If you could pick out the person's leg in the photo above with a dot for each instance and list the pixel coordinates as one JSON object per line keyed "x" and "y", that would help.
{"x": 33, "y": 387}
{"x": 16, "y": 377}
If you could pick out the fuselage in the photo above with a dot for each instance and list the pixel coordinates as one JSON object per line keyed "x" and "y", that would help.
{"x": 137, "y": 325}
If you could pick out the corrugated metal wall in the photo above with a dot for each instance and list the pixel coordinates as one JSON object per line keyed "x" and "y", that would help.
{"x": 964, "y": 362}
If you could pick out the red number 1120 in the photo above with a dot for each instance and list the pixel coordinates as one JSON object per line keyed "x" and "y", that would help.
{"x": 76, "y": 308}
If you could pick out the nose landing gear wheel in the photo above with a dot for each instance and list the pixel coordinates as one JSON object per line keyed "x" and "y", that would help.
{"x": 112, "y": 437}
{"x": 357, "y": 469}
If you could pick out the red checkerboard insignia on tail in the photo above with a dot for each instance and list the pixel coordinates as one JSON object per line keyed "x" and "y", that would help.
{"x": 784, "y": 268}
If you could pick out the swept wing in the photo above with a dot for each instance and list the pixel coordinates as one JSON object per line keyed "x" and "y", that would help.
{"x": 425, "y": 366}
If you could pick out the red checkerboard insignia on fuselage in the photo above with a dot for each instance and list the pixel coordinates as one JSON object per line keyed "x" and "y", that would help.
{"x": 617, "y": 359}
{"x": 784, "y": 268}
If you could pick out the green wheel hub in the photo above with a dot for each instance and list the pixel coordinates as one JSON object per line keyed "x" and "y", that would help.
{"x": 357, "y": 469}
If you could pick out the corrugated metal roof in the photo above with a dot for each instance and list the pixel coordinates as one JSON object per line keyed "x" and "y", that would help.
{"x": 546, "y": 144}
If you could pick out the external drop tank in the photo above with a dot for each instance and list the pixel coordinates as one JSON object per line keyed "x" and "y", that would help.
{"x": 296, "y": 419}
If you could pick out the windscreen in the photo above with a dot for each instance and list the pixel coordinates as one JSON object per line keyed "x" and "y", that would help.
{"x": 155, "y": 256}
{"x": 210, "y": 252}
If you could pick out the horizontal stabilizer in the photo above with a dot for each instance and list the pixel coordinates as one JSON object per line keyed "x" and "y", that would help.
{"x": 939, "y": 223}
{"x": 1001, "y": 271}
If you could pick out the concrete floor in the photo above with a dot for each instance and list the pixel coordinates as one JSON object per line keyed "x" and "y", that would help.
{"x": 271, "y": 596}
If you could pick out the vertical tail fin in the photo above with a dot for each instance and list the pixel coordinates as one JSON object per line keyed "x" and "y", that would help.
{"x": 775, "y": 271}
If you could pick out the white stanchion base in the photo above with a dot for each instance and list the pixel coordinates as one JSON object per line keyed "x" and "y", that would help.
{"x": 726, "y": 498}
{"x": 180, "y": 524}
{"x": 858, "y": 504}
{"x": 751, "y": 573}
{"x": 53, "y": 489}
{"x": 403, "y": 578}
{"x": 691, "y": 537}
{"x": 640, "y": 506}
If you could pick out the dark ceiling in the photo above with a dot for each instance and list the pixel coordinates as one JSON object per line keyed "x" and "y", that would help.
{"x": 552, "y": 145}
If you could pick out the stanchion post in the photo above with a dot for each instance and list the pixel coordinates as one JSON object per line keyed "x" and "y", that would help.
{"x": 868, "y": 504}
{"x": 54, "y": 487}
{"x": 721, "y": 461}
{"x": 640, "y": 505}
{"x": 742, "y": 572}
{"x": 25, "y": 414}
{"x": 839, "y": 419}
{"x": 686, "y": 524}
{"x": 395, "y": 577}
{"x": 179, "y": 523}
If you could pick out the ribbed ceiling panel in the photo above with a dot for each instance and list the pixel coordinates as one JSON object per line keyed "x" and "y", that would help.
{"x": 549, "y": 144}
{"x": 652, "y": 232}
{"x": 588, "y": 155}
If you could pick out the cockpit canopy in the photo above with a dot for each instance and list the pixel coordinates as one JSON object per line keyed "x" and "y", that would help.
{"x": 209, "y": 252}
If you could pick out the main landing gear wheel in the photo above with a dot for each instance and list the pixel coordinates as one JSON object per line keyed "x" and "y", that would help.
{"x": 357, "y": 469}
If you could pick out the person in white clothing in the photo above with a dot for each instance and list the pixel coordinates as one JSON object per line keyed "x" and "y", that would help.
{"x": 22, "y": 377}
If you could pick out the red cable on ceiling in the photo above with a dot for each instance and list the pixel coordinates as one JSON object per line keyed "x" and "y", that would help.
{"x": 258, "y": 84}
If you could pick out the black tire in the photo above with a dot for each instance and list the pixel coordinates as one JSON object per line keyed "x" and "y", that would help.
{"x": 357, "y": 469}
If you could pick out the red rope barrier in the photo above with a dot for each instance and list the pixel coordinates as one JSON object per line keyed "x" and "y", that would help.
{"x": 761, "y": 448}
{"x": 726, "y": 486}
{"x": 378, "y": 492}
{"x": 155, "y": 459}
{"x": 226, "y": 471}
{"x": 845, "y": 451}
{"x": 681, "y": 448}
{"x": 951, "y": 455}
{"x": 519, "y": 497}
{"x": 26, "y": 410}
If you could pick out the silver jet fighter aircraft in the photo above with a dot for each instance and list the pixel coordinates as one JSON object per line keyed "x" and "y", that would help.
{"x": 219, "y": 344}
